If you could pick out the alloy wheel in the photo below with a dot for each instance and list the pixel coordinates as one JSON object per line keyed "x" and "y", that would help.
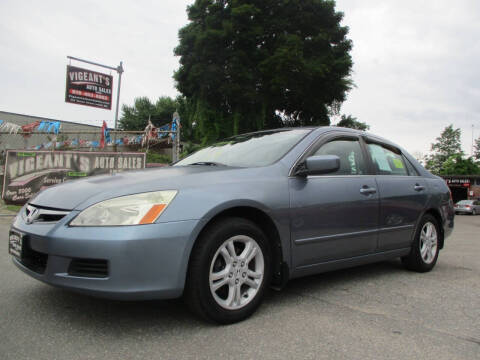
{"x": 428, "y": 242}
{"x": 236, "y": 272}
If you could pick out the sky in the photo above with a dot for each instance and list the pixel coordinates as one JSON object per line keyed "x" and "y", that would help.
{"x": 415, "y": 61}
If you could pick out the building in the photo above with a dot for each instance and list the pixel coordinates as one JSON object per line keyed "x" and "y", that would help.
{"x": 463, "y": 186}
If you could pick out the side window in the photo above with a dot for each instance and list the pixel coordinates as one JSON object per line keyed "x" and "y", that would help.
{"x": 350, "y": 154}
{"x": 411, "y": 170}
{"x": 386, "y": 161}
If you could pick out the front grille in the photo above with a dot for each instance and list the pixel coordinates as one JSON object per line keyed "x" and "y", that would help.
{"x": 34, "y": 260}
{"x": 38, "y": 214}
{"x": 88, "y": 268}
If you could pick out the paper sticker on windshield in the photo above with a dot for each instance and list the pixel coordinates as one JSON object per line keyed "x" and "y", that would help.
{"x": 398, "y": 163}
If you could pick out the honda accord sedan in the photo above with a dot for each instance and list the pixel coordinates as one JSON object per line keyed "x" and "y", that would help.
{"x": 235, "y": 218}
{"x": 471, "y": 207}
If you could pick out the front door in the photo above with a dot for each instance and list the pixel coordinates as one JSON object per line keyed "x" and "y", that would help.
{"x": 334, "y": 216}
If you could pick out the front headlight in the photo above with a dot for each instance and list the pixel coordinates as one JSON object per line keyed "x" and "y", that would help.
{"x": 135, "y": 209}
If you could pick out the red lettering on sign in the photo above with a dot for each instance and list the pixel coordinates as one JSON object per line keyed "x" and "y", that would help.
{"x": 89, "y": 94}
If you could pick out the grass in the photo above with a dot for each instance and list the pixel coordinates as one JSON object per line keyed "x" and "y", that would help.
{"x": 15, "y": 208}
{"x": 8, "y": 208}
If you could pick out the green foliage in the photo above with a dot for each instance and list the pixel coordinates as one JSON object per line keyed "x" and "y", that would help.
{"x": 153, "y": 157}
{"x": 476, "y": 149}
{"x": 136, "y": 117}
{"x": 457, "y": 165}
{"x": 352, "y": 123}
{"x": 447, "y": 145}
{"x": 189, "y": 148}
{"x": 247, "y": 65}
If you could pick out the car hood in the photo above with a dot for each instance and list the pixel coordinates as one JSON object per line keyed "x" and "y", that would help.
{"x": 79, "y": 194}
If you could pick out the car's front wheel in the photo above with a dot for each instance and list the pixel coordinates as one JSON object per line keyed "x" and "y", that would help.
{"x": 229, "y": 271}
{"x": 424, "y": 253}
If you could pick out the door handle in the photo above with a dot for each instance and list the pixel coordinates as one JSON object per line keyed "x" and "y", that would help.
{"x": 367, "y": 190}
{"x": 418, "y": 187}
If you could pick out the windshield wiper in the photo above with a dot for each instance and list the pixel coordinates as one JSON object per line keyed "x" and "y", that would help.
{"x": 207, "y": 163}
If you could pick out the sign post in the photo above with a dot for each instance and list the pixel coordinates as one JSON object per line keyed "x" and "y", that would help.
{"x": 176, "y": 137}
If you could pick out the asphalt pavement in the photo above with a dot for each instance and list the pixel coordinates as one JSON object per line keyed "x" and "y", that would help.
{"x": 377, "y": 311}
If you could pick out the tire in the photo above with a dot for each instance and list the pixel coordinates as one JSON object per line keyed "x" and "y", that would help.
{"x": 474, "y": 212}
{"x": 224, "y": 284}
{"x": 424, "y": 253}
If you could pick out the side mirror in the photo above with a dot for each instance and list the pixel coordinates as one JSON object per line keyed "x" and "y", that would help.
{"x": 317, "y": 165}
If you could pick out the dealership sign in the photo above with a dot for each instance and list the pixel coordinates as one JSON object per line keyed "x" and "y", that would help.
{"x": 27, "y": 172}
{"x": 87, "y": 87}
{"x": 458, "y": 182}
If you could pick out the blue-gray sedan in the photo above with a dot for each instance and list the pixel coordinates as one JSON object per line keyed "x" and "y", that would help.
{"x": 224, "y": 224}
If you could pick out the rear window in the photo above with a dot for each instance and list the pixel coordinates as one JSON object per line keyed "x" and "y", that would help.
{"x": 386, "y": 161}
{"x": 411, "y": 169}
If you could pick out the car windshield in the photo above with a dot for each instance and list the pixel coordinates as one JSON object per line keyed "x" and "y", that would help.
{"x": 249, "y": 150}
{"x": 465, "y": 202}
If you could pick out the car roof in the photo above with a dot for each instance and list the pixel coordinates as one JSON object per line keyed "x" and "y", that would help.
{"x": 323, "y": 129}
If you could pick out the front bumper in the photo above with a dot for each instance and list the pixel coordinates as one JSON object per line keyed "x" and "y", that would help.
{"x": 144, "y": 262}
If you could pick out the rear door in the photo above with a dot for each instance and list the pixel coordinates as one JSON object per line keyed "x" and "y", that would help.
{"x": 334, "y": 216}
{"x": 403, "y": 195}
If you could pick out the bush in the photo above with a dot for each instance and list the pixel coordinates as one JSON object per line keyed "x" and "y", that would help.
{"x": 153, "y": 157}
{"x": 189, "y": 148}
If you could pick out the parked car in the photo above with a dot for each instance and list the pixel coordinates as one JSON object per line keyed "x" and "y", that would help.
{"x": 471, "y": 207}
{"x": 222, "y": 225}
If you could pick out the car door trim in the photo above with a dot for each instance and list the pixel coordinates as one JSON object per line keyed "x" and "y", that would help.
{"x": 332, "y": 237}
{"x": 393, "y": 228}
{"x": 337, "y": 176}
{"x": 319, "y": 239}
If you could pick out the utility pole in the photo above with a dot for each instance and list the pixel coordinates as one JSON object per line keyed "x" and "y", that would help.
{"x": 471, "y": 150}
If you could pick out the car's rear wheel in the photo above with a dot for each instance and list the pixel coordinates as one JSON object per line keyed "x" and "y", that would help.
{"x": 229, "y": 271}
{"x": 474, "y": 212}
{"x": 424, "y": 253}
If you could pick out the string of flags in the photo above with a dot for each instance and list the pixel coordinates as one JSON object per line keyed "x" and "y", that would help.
{"x": 151, "y": 133}
{"x": 48, "y": 127}
{"x": 9, "y": 127}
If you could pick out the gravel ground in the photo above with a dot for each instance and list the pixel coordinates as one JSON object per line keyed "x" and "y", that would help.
{"x": 377, "y": 311}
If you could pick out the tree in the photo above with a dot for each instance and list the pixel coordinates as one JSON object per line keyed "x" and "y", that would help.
{"x": 136, "y": 117}
{"x": 476, "y": 149}
{"x": 457, "y": 165}
{"x": 447, "y": 145}
{"x": 352, "y": 123}
{"x": 252, "y": 64}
